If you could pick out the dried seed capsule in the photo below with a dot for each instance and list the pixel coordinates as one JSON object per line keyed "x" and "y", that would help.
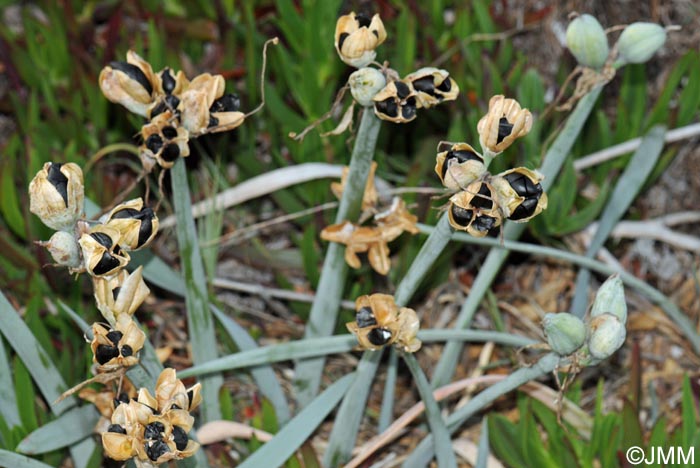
{"x": 587, "y": 41}
{"x": 380, "y": 322}
{"x": 356, "y": 37}
{"x": 504, "y": 122}
{"x": 101, "y": 253}
{"x": 474, "y": 209}
{"x": 130, "y": 84}
{"x": 164, "y": 141}
{"x": 610, "y": 298}
{"x": 119, "y": 347}
{"x": 606, "y": 334}
{"x": 519, "y": 193}
{"x": 432, "y": 86}
{"x": 396, "y": 102}
{"x": 121, "y": 294}
{"x": 458, "y": 165}
{"x": 137, "y": 225}
{"x": 365, "y": 83}
{"x": 56, "y": 195}
{"x": 565, "y": 332}
{"x": 639, "y": 41}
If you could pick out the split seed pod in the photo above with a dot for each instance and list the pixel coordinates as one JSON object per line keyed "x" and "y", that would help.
{"x": 380, "y": 322}
{"x": 56, "y": 195}
{"x": 120, "y": 295}
{"x": 519, "y": 193}
{"x": 203, "y": 106}
{"x": 164, "y": 140}
{"x": 458, "y": 165}
{"x": 102, "y": 255}
{"x": 432, "y": 86}
{"x": 504, "y": 122}
{"x": 474, "y": 210}
{"x": 137, "y": 225}
{"x": 356, "y": 37}
{"x": 130, "y": 84}
{"x": 118, "y": 347}
{"x": 124, "y": 436}
{"x": 396, "y": 102}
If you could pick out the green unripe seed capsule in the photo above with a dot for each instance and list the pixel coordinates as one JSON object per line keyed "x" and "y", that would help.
{"x": 639, "y": 41}
{"x": 606, "y": 335}
{"x": 565, "y": 332}
{"x": 610, "y": 298}
{"x": 365, "y": 83}
{"x": 587, "y": 41}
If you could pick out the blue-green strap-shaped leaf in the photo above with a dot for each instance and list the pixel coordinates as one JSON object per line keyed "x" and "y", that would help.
{"x": 15, "y": 460}
{"x": 300, "y": 428}
{"x": 7, "y": 391}
{"x": 72, "y": 426}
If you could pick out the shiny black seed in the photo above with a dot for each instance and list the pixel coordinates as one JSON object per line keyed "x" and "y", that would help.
{"x": 116, "y": 428}
{"x": 460, "y": 215}
{"x": 226, "y": 103}
{"x": 365, "y": 317}
{"x": 103, "y": 239}
{"x": 104, "y": 353}
{"x": 127, "y": 351}
{"x": 169, "y": 132}
{"x": 504, "y": 129}
{"x": 484, "y": 223}
{"x": 58, "y": 180}
{"x": 154, "y": 143}
{"x": 121, "y": 398}
{"x": 133, "y": 72}
{"x": 154, "y": 431}
{"x": 387, "y": 107}
{"x": 525, "y": 209}
{"x": 114, "y": 336}
{"x": 179, "y": 437}
{"x": 190, "y": 395}
{"x": 169, "y": 102}
{"x": 425, "y": 85}
{"x": 363, "y": 20}
{"x": 156, "y": 449}
{"x": 483, "y": 199}
{"x": 126, "y": 213}
{"x": 402, "y": 89}
{"x": 213, "y": 121}
{"x": 459, "y": 157}
{"x": 445, "y": 86}
{"x": 146, "y": 229}
{"x": 341, "y": 39}
{"x": 106, "y": 264}
{"x": 408, "y": 111}
{"x": 523, "y": 185}
{"x": 115, "y": 292}
{"x": 170, "y": 152}
{"x": 168, "y": 81}
{"x": 379, "y": 336}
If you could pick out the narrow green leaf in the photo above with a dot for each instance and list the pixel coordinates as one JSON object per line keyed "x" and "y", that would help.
{"x": 157, "y": 272}
{"x": 72, "y": 426}
{"x": 502, "y": 436}
{"x": 689, "y": 99}
{"x": 484, "y": 451}
{"x": 9, "y": 202}
{"x": 15, "y": 460}
{"x": 7, "y": 391}
{"x": 386, "y": 412}
{"x": 300, "y": 428}
{"x": 689, "y": 413}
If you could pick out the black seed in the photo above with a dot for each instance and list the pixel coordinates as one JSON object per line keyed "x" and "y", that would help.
{"x": 459, "y": 157}
{"x": 213, "y": 121}
{"x": 115, "y": 292}
{"x": 365, "y": 317}
{"x": 226, "y": 103}
{"x": 408, "y": 111}
{"x": 445, "y": 86}
{"x": 103, "y": 239}
{"x": 179, "y": 437}
{"x": 190, "y": 395}
{"x": 402, "y": 89}
{"x": 116, "y": 428}
{"x": 168, "y": 81}
{"x": 127, "y": 351}
{"x": 363, "y": 20}
{"x": 58, "y": 180}
{"x": 126, "y": 213}
{"x": 105, "y": 353}
{"x": 341, "y": 40}
{"x": 425, "y": 85}
{"x": 483, "y": 199}
{"x": 154, "y": 431}
{"x": 504, "y": 129}
{"x": 154, "y": 143}
{"x": 156, "y": 449}
{"x": 114, "y": 336}
{"x": 523, "y": 185}
{"x": 121, "y": 398}
{"x": 170, "y": 152}
{"x": 525, "y": 209}
{"x": 133, "y": 72}
{"x": 387, "y": 107}
{"x": 169, "y": 102}
{"x": 460, "y": 215}
{"x": 375, "y": 32}
{"x": 169, "y": 132}
{"x": 484, "y": 223}
{"x": 146, "y": 229}
{"x": 379, "y": 336}
{"x": 106, "y": 264}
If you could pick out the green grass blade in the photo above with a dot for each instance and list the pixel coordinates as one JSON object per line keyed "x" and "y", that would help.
{"x": 15, "y": 460}
{"x": 264, "y": 376}
{"x": 72, "y": 426}
{"x": 553, "y": 161}
{"x": 441, "y": 437}
{"x": 199, "y": 319}
{"x": 157, "y": 272}
{"x": 324, "y": 310}
{"x": 300, "y": 428}
{"x": 7, "y": 391}
{"x": 628, "y": 186}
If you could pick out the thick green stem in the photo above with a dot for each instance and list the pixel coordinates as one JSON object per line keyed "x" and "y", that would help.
{"x": 199, "y": 319}
{"x": 324, "y": 310}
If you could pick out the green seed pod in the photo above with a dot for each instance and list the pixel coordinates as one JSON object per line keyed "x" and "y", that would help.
{"x": 64, "y": 249}
{"x": 565, "y": 332}
{"x": 610, "y": 298}
{"x": 639, "y": 41}
{"x": 606, "y": 334}
{"x": 365, "y": 83}
{"x": 586, "y": 39}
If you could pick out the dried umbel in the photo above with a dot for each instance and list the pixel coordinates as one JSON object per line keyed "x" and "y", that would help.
{"x": 380, "y": 322}
{"x": 396, "y": 102}
{"x": 56, "y": 195}
{"x": 356, "y": 37}
{"x": 137, "y": 224}
{"x": 474, "y": 209}
{"x": 458, "y": 165}
{"x": 120, "y": 295}
{"x": 432, "y": 86}
{"x": 102, "y": 255}
{"x": 519, "y": 194}
{"x": 504, "y": 122}
{"x": 118, "y": 347}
